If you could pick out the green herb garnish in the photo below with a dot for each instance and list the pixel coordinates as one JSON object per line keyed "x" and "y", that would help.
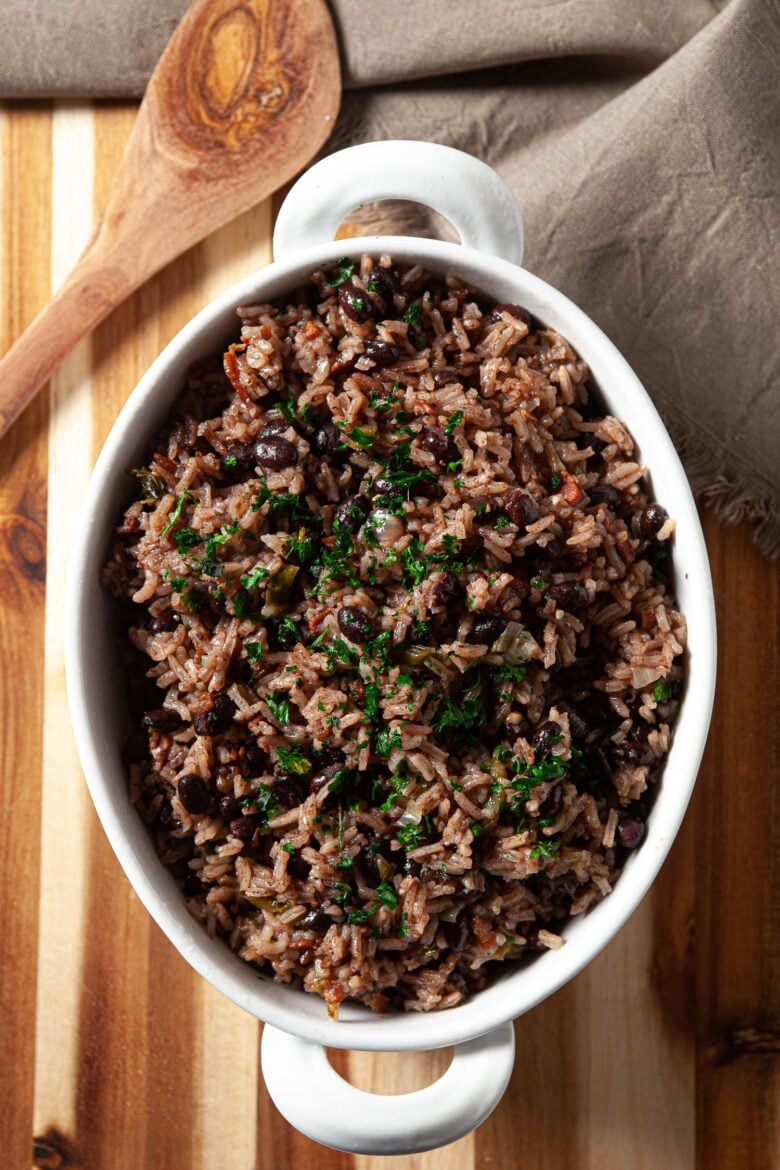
{"x": 662, "y": 692}
{"x": 410, "y": 836}
{"x": 279, "y": 707}
{"x": 385, "y": 741}
{"x": 545, "y": 849}
{"x": 453, "y": 421}
{"x": 177, "y": 511}
{"x": 344, "y": 270}
{"x": 292, "y": 759}
{"x": 387, "y": 895}
{"x": 555, "y": 481}
{"x": 413, "y": 314}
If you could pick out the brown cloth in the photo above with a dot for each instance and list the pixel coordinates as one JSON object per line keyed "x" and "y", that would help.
{"x": 640, "y": 137}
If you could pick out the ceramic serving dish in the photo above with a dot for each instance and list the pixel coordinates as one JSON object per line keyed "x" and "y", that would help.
{"x": 299, "y": 1078}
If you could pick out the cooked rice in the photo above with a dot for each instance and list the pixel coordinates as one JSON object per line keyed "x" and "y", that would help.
{"x": 382, "y": 816}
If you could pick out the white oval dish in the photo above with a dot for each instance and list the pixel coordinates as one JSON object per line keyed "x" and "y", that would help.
{"x": 302, "y": 1083}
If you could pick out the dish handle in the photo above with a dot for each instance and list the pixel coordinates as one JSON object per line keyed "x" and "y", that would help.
{"x": 468, "y": 192}
{"x": 314, "y": 1098}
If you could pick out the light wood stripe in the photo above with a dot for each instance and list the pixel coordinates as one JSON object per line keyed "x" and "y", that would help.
{"x": 65, "y": 809}
{"x": 24, "y": 288}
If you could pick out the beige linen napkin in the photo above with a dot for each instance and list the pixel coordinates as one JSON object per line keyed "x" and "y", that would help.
{"x": 640, "y": 137}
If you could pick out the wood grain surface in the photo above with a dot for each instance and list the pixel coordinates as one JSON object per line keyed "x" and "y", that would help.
{"x": 662, "y": 1055}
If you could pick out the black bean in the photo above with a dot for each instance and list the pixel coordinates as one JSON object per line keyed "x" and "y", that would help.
{"x": 163, "y": 622}
{"x": 513, "y": 310}
{"x": 238, "y": 462}
{"x": 568, "y": 595}
{"x": 602, "y": 493}
{"x": 512, "y": 731}
{"x": 383, "y": 486}
{"x": 273, "y": 430}
{"x": 411, "y": 867}
{"x": 485, "y": 510}
{"x": 598, "y": 446}
{"x": 276, "y": 453}
{"x": 326, "y": 439}
{"x": 441, "y": 446}
{"x": 229, "y": 808}
{"x": 218, "y": 719}
{"x": 458, "y": 933}
{"x": 629, "y": 833}
{"x": 445, "y": 590}
{"x": 162, "y": 719}
{"x": 652, "y": 520}
{"x": 381, "y": 353}
{"x": 244, "y": 828}
{"x": 355, "y": 623}
{"x": 578, "y": 726}
{"x": 633, "y": 751}
{"x": 194, "y": 794}
{"x": 297, "y": 867}
{"x": 328, "y": 756}
{"x": 352, "y": 512}
{"x": 355, "y": 303}
{"x": 241, "y": 671}
{"x": 384, "y": 281}
{"x": 546, "y": 736}
{"x": 551, "y": 805}
{"x": 521, "y": 509}
{"x": 289, "y": 789}
{"x": 256, "y": 758}
{"x": 542, "y": 559}
{"x": 318, "y": 921}
{"x": 486, "y": 629}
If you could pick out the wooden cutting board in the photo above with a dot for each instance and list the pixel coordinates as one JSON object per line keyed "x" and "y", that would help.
{"x": 115, "y": 1056}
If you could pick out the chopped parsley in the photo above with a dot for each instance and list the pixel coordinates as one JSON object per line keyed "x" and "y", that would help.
{"x": 385, "y": 741}
{"x": 501, "y": 522}
{"x": 556, "y": 480}
{"x": 410, "y": 836}
{"x": 372, "y": 696}
{"x": 358, "y": 917}
{"x": 263, "y": 801}
{"x": 288, "y": 406}
{"x": 287, "y": 847}
{"x": 176, "y": 513}
{"x": 545, "y": 849}
{"x": 254, "y": 651}
{"x": 662, "y": 692}
{"x": 476, "y": 827}
{"x": 252, "y": 580}
{"x": 279, "y": 706}
{"x": 413, "y": 314}
{"x": 343, "y": 894}
{"x": 344, "y": 270}
{"x": 362, "y": 438}
{"x": 292, "y": 759}
{"x": 453, "y": 421}
{"x": 507, "y": 673}
{"x": 463, "y": 719}
{"x": 185, "y": 539}
{"x": 387, "y": 895}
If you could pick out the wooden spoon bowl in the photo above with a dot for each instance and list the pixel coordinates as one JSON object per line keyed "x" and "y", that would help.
{"x": 245, "y": 94}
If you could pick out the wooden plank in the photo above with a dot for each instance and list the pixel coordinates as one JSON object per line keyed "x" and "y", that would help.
{"x": 24, "y": 287}
{"x": 737, "y": 868}
{"x": 662, "y": 1054}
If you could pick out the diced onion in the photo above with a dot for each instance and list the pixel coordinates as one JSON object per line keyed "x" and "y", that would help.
{"x": 516, "y": 644}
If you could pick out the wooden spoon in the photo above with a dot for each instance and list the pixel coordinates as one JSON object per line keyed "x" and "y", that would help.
{"x": 246, "y": 92}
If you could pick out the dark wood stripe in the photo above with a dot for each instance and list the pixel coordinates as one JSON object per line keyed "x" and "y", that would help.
{"x": 23, "y": 494}
{"x": 737, "y": 863}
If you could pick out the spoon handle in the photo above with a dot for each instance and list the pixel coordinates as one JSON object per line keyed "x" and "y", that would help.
{"x": 92, "y": 290}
